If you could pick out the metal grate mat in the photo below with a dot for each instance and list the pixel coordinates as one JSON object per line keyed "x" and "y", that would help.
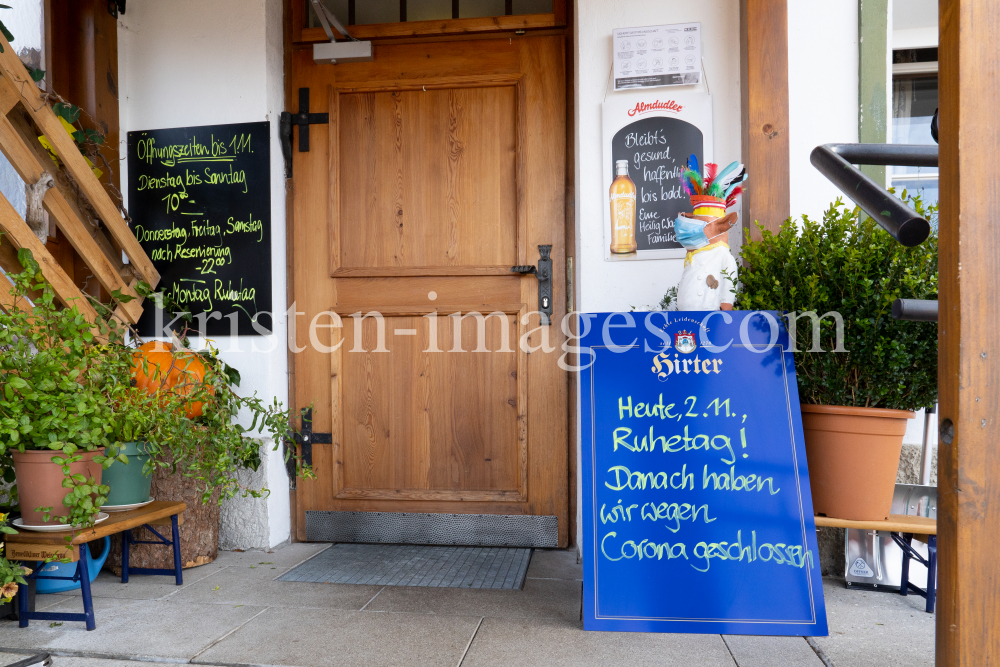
{"x": 410, "y": 565}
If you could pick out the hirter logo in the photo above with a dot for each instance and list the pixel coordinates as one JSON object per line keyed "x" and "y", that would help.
{"x": 684, "y": 342}
{"x": 645, "y": 107}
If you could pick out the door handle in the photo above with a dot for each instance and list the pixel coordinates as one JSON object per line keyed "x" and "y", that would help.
{"x": 543, "y": 272}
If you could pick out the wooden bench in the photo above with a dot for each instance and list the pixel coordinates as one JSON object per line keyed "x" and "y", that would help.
{"x": 36, "y": 546}
{"x": 903, "y": 528}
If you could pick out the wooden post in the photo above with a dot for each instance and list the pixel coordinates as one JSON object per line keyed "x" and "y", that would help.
{"x": 969, "y": 347}
{"x": 873, "y": 75}
{"x": 764, "y": 88}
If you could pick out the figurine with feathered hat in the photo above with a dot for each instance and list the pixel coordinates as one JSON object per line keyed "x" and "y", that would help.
{"x": 707, "y": 281}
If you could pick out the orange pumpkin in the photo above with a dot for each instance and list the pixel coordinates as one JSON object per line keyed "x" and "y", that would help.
{"x": 156, "y": 367}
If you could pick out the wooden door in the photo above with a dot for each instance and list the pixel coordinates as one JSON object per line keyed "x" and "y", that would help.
{"x": 443, "y": 165}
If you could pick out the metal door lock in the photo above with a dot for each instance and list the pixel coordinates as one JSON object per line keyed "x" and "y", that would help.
{"x": 544, "y": 275}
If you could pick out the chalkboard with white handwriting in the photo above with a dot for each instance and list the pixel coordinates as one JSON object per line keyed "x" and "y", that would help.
{"x": 200, "y": 203}
{"x": 657, "y": 149}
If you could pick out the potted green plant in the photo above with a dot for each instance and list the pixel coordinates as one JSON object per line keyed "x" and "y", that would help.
{"x": 55, "y": 421}
{"x": 857, "y": 391}
{"x": 198, "y": 448}
{"x": 136, "y": 430}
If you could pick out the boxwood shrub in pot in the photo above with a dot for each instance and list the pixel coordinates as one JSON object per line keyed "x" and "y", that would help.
{"x": 858, "y": 391}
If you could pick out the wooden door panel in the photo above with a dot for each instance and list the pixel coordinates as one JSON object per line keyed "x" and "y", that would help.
{"x": 412, "y": 186}
{"x": 419, "y": 423}
{"x": 467, "y": 140}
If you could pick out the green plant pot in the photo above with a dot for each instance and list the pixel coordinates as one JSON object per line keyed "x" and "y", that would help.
{"x": 128, "y": 484}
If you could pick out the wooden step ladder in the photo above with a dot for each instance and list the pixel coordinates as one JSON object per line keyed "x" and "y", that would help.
{"x": 78, "y": 203}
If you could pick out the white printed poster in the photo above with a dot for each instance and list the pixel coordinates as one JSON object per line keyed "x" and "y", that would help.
{"x": 657, "y": 55}
{"x": 648, "y": 138}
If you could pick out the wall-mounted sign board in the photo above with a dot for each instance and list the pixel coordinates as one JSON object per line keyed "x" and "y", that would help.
{"x": 657, "y": 55}
{"x": 655, "y": 135}
{"x": 696, "y": 503}
{"x": 200, "y": 203}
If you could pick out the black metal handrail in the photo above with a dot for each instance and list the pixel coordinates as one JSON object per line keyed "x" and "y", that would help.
{"x": 915, "y": 310}
{"x": 836, "y": 162}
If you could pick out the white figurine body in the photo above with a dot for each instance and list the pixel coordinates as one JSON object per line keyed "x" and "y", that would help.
{"x": 709, "y": 275}
{"x": 707, "y": 280}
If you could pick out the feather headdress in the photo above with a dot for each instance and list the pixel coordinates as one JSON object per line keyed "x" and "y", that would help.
{"x": 723, "y": 184}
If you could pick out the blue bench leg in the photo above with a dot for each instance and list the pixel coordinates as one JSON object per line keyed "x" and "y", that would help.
{"x": 83, "y": 569}
{"x": 904, "y": 577}
{"x": 22, "y": 605}
{"x": 176, "y": 537}
{"x": 126, "y": 537}
{"x": 931, "y": 572}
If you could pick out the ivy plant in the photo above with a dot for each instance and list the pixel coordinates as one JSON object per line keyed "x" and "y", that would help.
{"x": 847, "y": 264}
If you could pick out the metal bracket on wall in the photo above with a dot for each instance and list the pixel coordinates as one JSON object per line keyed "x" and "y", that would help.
{"x": 544, "y": 275}
{"x": 303, "y": 119}
{"x": 304, "y": 439}
{"x": 116, "y": 7}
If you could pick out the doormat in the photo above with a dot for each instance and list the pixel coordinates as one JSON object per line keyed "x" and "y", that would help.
{"x": 410, "y": 565}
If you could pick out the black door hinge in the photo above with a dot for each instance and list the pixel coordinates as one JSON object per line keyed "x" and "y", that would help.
{"x": 116, "y": 7}
{"x": 305, "y": 439}
{"x": 303, "y": 119}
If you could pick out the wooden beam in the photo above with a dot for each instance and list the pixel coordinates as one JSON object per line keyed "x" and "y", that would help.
{"x": 66, "y": 148}
{"x": 764, "y": 88}
{"x": 873, "y": 75}
{"x": 968, "y": 624}
{"x": 30, "y": 163}
{"x": 83, "y": 66}
{"x": 16, "y": 230}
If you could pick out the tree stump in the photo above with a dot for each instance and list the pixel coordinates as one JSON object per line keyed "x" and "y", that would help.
{"x": 199, "y": 532}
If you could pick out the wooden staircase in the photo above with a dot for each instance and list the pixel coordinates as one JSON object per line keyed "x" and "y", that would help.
{"x": 82, "y": 210}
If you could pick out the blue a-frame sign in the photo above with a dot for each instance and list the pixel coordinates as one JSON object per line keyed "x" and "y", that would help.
{"x": 696, "y": 505}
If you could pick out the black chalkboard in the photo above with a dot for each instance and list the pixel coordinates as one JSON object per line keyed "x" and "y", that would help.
{"x": 657, "y": 150}
{"x": 200, "y": 203}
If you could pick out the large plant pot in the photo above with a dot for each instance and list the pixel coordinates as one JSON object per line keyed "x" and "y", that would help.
{"x": 199, "y": 530}
{"x": 39, "y": 482}
{"x": 853, "y": 457}
{"x": 128, "y": 483}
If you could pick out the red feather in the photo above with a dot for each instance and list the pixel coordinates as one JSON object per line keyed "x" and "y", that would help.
{"x": 711, "y": 169}
{"x": 731, "y": 199}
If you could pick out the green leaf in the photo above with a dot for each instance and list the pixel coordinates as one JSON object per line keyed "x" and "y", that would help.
{"x": 36, "y": 74}
{"x": 68, "y": 111}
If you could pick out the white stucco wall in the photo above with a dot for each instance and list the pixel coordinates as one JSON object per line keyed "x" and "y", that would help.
{"x": 822, "y": 94}
{"x": 599, "y": 283}
{"x": 187, "y": 63}
{"x": 24, "y": 20}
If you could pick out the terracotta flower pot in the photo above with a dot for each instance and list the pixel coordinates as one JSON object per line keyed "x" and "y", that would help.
{"x": 853, "y": 458}
{"x": 39, "y": 482}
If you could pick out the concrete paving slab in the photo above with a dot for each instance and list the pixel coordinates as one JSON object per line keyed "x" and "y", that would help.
{"x": 143, "y": 586}
{"x": 74, "y": 661}
{"x": 281, "y": 558}
{"x": 557, "y": 643}
{"x": 346, "y": 639}
{"x": 540, "y": 598}
{"x": 555, "y": 564}
{"x": 236, "y": 585}
{"x": 761, "y": 651}
{"x": 875, "y": 629}
{"x": 132, "y": 628}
